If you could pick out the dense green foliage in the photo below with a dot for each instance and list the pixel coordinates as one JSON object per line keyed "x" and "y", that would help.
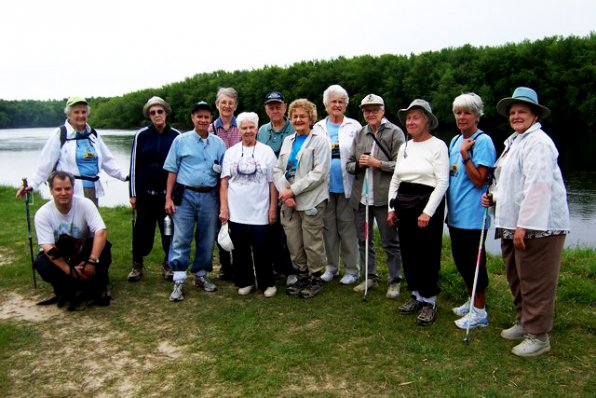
{"x": 562, "y": 70}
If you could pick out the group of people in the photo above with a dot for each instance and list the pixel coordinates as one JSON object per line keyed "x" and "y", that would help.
{"x": 299, "y": 196}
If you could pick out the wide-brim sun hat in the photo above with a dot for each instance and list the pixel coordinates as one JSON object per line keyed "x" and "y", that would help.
{"x": 223, "y": 238}
{"x": 525, "y": 95}
{"x": 424, "y": 106}
{"x": 156, "y": 101}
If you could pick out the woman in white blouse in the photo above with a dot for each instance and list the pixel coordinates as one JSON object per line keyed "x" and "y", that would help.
{"x": 417, "y": 206}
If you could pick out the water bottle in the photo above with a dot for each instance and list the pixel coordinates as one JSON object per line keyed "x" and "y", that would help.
{"x": 167, "y": 225}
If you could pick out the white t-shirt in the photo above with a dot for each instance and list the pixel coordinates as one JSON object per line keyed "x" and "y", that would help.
{"x": 250, "y": 170}
{"x": 81, "y": 222}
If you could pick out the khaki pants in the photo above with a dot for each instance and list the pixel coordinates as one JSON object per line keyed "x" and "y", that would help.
{"x": 533, "y": 275}
{"x": 305, "y": 238}
{"x": 340, "y": 234}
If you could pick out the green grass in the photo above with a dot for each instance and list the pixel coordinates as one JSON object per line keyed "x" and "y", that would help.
{"x": 222, "y": 344}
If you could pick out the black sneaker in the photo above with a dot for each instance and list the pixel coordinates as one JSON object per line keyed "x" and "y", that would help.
{"x": 312, "y": 289}
{"x": 301, "y": 283}
{"x": 410, "y": 307}
{"x": 427, "y": 315}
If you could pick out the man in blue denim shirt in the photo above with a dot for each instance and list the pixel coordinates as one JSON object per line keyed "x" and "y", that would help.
{"x": 194, "y": 165}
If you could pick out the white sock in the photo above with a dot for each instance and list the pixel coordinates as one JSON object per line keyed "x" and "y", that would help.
{"x": 179, "y": 276}
{"x": 480, "y": 311}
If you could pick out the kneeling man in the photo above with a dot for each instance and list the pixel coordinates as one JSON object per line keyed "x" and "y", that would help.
{"x": 75, "y": 254}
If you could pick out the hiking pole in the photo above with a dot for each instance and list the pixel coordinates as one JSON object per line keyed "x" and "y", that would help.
{"x": 365, "y": 298}
{"x": 478, "y": 258}
{"x": 27, "y": 200}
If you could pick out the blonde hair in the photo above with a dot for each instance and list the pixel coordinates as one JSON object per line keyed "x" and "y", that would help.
{"x": 309, "y": 107}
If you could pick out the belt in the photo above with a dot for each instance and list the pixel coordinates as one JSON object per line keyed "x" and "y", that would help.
{"x": 200, "y": 189}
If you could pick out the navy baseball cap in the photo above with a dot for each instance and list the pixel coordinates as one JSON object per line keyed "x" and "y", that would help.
{"x": 201, "y": 105}
{"x": 274, "y": 96}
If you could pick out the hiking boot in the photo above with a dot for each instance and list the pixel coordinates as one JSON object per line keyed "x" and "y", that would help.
{"x": 532, "y": 346}
{"x": 136, "y": 273}
{"x": 393, "y": 290}
{"x": 177, "y": 292}
{"x": 427, "y": 315}
{"x": 515, "y": 332}
{"x": 462, "y": 309}
{"x": 410, "y": 307}
{"x": 300, "y": 284}
{"x": 349, "y": 279}
{"x": 270, "y": 292}
{"x": 474, "y": 319}
{"x": 371, "y": 282}
{"x": 166, "y": 271}
{"x": 246, "y": 290}
{"x": 327, "y": 276}
{"x": 202, "y": 282}
{"x": 291, "y": 280}
{"x": 312, "y": 289}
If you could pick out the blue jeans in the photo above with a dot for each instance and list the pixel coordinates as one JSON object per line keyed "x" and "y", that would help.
{"x": 202, "y": 209}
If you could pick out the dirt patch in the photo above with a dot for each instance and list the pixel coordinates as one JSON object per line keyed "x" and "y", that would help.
{"x": 15, "y": 306}
{"x": 6, "y": 256}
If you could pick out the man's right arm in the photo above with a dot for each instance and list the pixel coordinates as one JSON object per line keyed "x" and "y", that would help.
{"x": 171, "y": 182}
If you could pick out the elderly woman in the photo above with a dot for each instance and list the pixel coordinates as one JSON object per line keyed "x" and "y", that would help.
{"x": 226, "y": 128}
{"x": 150, "y": 147}
{"x": 531, "y": 218}
{"x": 78, "y": 149}
{"x": 340, "y": 231}
{"x": 248, "y": 201}
{"x": 301, "y": 177}
{"x": 417, "y": 203}
{"x": 471, "y": 158}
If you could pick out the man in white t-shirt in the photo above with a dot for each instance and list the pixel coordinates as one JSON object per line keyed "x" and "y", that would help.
{"x": 75, "y": 254}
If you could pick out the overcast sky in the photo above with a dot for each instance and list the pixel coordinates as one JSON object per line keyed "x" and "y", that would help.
{"x": 52, "y": 49}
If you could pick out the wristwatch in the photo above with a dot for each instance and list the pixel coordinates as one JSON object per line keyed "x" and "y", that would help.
{"x": 93, "y": 261}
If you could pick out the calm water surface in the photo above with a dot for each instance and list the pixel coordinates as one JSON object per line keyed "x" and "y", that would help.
{"x": 20, "y": 148}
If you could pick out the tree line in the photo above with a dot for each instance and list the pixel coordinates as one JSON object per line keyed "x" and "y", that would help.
{"x": 561, "y": 69}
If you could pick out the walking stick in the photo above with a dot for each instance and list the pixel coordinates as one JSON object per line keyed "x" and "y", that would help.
{"x": 365, "y": 298}
{"x": 27, "y": 200}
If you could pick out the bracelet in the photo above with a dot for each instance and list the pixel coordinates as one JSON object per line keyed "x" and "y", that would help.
{"x": 466, "y": 160}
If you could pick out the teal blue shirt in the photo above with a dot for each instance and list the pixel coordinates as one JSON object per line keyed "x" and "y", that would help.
{"x": 268, "y": 136}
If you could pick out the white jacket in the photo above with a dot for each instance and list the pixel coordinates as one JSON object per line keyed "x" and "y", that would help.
{"x": 347, "y": 131}
{"x": 65, "y": 160}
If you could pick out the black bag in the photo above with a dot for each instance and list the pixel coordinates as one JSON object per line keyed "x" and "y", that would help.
{"x": 411, "y": 197}
{"x": 177, "y": 194}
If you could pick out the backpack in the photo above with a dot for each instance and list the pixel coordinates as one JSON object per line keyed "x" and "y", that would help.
{"x": 63, "y": 139}
{"x": 454, "y": 140}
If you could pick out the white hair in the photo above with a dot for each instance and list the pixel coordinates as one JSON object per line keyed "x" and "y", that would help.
{"x": 335, "y": 90}
{"x": 469, "y": 101}
{"x": 227, "y": 91}
{"x": 249, "y": 117}
{"x": 68, "y": 109}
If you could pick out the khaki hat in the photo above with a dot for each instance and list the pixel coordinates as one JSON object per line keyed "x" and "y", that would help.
{"x": 156, "y": 101}
{"x": 76, "y": 100}
{"x": 372, "y": 99}
{"x": 424, "y": 106}
{"x": 525, "y": 95}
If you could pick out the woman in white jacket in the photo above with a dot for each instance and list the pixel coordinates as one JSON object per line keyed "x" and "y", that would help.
{"x": 76, "y": 148}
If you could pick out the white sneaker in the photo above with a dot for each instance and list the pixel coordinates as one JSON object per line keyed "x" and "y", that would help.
{"x": 515, "y": 332}
{"x": 177, "y": 292}
{"x": 393, "y": 290}
{"x": 463, "y": 309}
{"x": 243, "y": 291}
{"x": 372, "y": 283}
{"x": 327, "y": 276}
{"x": 474, "y": 319}
{"x": 270, "y": 292}
{"x": 532, "y": 346}
{"x": 291, "y": 280}
{"x": 348, "y": 279}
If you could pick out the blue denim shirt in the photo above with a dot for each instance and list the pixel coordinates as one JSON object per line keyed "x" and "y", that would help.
{"x": 192, "y": 159}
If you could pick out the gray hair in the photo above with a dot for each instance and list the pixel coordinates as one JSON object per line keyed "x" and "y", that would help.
{"x": 227, "y": 91}
{"x": 336, "y": 90}
{"x": 469, "y": 101}
{"x": 68, "y": 108}
{"x": 61, "y": 175}
{"x": 249, "y": 117}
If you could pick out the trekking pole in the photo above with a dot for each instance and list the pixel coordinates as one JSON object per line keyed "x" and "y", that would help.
{"x": 478, "y": 258}
{"x": 365, "y": 298}
{"x": 27, "y": 200}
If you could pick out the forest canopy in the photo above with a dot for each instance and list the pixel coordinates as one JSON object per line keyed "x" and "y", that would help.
{"x": 561, "y": 69}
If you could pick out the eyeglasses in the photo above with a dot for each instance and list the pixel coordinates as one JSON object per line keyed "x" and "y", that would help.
{"x": 156, "y": 112}
{"x": 368, "y": 111}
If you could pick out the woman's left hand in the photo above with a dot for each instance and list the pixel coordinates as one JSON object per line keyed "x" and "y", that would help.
{"x": 286, "y": 194}
{"x": 519, "y": 237}
{"x": 423, "y": 220}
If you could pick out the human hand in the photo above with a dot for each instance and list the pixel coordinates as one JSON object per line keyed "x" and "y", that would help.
{"x": 487, "y": 200}
{"x": 133, "y": 202}
{"x": 22, "y": 191}
{"x": 170, "y": 207}
{"x": 291, "y": 203}
{"x": 224, "y": 215}
{"x": 286, "y": 194}
{"x": 392, "y": 219}
{"x": 273, "y": 215}
{"x": 423, "y": 220}
{"x": 519, "y": 239}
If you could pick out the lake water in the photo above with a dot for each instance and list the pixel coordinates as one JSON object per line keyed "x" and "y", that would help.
{"x": 20, "y": 148}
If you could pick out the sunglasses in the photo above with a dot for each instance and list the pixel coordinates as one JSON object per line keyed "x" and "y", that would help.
{"x": 156, "y": 112}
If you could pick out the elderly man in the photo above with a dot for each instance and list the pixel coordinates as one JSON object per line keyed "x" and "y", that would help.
{"x": 372, "y": 162}
{"x": 75, "y": 254}
{"x": 273, "y": 134}
{"x": 194, "y": 165}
